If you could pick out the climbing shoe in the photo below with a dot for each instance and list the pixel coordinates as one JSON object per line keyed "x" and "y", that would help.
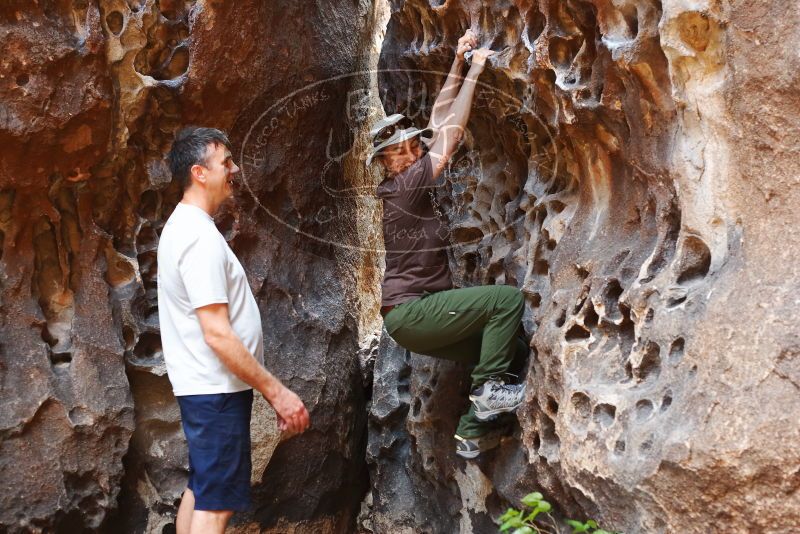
{"x": 494, "y": 397}
{"x": 470, "y": 448}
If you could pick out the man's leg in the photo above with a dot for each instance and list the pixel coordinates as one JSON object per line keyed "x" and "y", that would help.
{"x": 217, "y": 429}
{"x": 437, "y": 324}
{"x": 184, "y": 520}
{"x": 210, "y": 522}
{"x": 476, "y": 325}
{"x": 468, "y": 350}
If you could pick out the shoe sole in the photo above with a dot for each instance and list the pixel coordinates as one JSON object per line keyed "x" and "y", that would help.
{"x": 470, "y": 455}
{"x": 486, "y": 415}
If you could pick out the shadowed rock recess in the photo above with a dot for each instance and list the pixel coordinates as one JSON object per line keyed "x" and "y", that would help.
{"x": 632, "y": 167}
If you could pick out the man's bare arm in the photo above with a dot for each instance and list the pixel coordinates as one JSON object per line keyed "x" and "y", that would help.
{"x": 452, "y": 131}
{"x": 219, "y": 335}
{"x": 441, "y": 108}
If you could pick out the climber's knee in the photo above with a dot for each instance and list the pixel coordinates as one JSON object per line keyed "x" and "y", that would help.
{"x": 510, "y": 297}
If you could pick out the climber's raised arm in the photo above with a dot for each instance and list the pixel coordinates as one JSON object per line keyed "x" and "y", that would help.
{"x": 441, "y": 108}
{"x": 449, "y": 134}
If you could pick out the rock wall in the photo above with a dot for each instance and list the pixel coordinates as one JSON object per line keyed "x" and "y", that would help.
{"x": 631, "y": 166}
{"x": 92, "y": 93}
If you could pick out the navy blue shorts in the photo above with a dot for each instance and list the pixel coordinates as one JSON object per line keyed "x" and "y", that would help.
{"x": 217, "y": 429}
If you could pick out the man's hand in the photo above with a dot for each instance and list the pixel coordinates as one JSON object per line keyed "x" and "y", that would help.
{"x": 466, "y": 43}
{"x": 292, "y": 413}
{"x": 219, "y": 335}
{"x": 479, "y": 57}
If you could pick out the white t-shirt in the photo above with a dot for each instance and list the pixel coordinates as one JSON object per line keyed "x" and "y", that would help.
{"x": 196, "y": 267}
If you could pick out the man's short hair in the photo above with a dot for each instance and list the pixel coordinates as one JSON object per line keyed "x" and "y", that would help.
{"x": 189, "y": 148}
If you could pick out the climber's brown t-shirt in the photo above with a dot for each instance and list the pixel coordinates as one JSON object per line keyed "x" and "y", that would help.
{"x": 414, "y": 236}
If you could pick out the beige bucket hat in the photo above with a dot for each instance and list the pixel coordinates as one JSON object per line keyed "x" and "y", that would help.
{"x": 392, "y": 130}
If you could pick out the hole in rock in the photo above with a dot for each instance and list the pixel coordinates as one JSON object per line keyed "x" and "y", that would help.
{"x": 557, "y": 206}
{"x": 115, "y": 21}
{"x": 536, "y": 442}
{"x": 535, "y": 299}
{"x": 666, "y": 402}
{"x": 673, "y": 302}
{"x": 178, "y": 63}
{"x": 604, "y": 415}
{"x": 548, "y": 428}
{"x": 470, "y": 263}
{"x": 582, "y": 272}
{"x": 577, "y": 333}
{"x": 676, "y": 350}
{"x": 467, "y": 234}
{"x": 169, "y": 529}
{"x": 610, "y": 296}
{"x": 644, "y": 409}
{"x": 534, "y": 24}
{"x": 646, "y": 445}
{"x": 563, "y": 51}
{"x": 416, "y": 407}
{"x": 148, "y": 204}
{"x": 561, "y": 319}
{"x": 628, "y": 371}
{"x": 627, "y": 331}
{"x": 148, "y": 347}
{"x": 22, "y": 79}
{"x": 172, "y": 9}
{"x": 580, "y": 303}
{"x": 648, "y": 316}
{"x": 651, "y": 362}
{"x": 60, "y": 359}
{"x": 633, "y": 23}
{"x": 552, "y": 405}
{"x": 541, "y": 267}
{"x": 581, "y": 404}
{"x": 590, "y": 318}
{"x": 695, "y": 260}
{"x": 619, "y": 446}
{"x": 128, "y": 336}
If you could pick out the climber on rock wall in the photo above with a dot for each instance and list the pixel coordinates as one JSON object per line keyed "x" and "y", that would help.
{"x": 211, "y": 337}
{"x": 421, "y": 309}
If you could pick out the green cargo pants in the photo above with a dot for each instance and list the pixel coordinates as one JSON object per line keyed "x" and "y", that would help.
{"x": 474, "y": 325}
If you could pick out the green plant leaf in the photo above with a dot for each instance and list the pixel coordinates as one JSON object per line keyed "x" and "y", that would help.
{"x": 544, "y": 506}
{"x": 509, "y": 514}
{"x": 577, "y": 526}
{"x": 524, "y": 530}
{"x": 591, "y": 523}
{"x": 532, "y": 499}
{"x": 514, "y": 522}
{"x": 601, "y": 531}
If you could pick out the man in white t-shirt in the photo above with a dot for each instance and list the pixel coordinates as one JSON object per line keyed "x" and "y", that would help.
{"x": 211, "y": 337}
